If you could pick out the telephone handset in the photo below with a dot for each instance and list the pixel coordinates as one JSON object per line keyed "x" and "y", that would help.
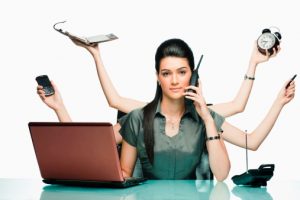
{"x": 195, "y": 75}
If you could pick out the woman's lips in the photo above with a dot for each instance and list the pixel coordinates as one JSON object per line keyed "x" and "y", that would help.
{"x": 176, "y": 89}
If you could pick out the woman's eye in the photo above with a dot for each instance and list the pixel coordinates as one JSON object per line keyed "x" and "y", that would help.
{"x": 182, "y": 72}
{"x": 165, "y": 74}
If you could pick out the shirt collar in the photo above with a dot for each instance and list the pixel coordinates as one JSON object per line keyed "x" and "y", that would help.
{"x": 189, "y": 110}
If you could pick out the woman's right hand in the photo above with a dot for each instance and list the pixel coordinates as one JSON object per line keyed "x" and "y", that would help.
{"x": 93, "y": 49}
{"x": 54, "y": 101}
{"x": 198, "y": 99}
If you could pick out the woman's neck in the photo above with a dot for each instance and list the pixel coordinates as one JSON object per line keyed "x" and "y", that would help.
{"x": 170, "y": 107}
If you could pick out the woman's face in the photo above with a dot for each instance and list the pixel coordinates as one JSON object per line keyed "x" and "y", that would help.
{"x": 174, "y": 75}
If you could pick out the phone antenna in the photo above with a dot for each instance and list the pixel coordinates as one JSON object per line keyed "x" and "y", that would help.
{"x": 199, "y": 62}
{"x": 246, "y": 152}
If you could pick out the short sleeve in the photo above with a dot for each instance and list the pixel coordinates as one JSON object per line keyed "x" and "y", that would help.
{"x": 122, "y": 119}
{"x": 120, "y": 114}
{"x": 130, "y": 127}
{"x": 218, "y": 119}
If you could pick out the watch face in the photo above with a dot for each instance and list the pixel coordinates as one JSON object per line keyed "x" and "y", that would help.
{"x": 266, "y": 41}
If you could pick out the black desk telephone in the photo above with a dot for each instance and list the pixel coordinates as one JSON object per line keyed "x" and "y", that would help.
{"x": 254, "y": 177}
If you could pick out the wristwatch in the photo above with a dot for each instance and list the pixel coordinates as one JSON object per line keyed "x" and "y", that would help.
{"x": 248, "y": 77}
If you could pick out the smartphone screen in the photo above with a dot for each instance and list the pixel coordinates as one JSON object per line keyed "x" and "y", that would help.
{"x": 44, "y": 81}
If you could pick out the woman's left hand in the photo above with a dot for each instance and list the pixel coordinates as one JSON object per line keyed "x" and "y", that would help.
{"x": 257, "y": 57}
{"x": 286, "y": 94}
{"x": 199, "y": 100}
{"x": 93, "y": 49}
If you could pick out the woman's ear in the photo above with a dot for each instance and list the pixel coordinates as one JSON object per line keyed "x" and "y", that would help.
{"x": 157, "y": 78}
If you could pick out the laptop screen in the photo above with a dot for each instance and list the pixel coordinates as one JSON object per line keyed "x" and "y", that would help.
{"x": 76, "y": 151}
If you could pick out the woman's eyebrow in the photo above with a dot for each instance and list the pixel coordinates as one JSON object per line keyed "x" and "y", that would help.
{"x": 165, "y": 70}
{"x": 180, "y": 68}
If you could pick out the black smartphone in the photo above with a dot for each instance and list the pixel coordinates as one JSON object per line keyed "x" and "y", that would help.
{"x": 44, "y": 81}
{"x": 290, "y": 81}
{"x": 195, "y": 75}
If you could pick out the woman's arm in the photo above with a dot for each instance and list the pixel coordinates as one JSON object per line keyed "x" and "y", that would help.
{"x": 118, "y": 136}
{"x": 128, "y": 159}
{"x": 55, "y": 102}
{"x": 112, "y": 96}
{"x": 217, "y": 152}
{"x": 238, "y": 104}
{"x": 255, "y": 139}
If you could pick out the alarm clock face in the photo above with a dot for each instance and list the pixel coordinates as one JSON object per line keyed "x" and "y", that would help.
{"x": 266, "y": 41}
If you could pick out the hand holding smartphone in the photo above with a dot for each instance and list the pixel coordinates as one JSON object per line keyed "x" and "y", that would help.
{"x": 44, "y": 81}
{"x": 290, "y": 81}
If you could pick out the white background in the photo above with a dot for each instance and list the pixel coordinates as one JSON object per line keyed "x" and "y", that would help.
{"x": 224, "y": 31}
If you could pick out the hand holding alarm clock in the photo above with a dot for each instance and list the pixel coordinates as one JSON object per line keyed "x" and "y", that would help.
{"x": 268, "y": 40}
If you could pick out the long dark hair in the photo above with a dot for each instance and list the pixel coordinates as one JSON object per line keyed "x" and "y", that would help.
{"x": 171, "y": 47}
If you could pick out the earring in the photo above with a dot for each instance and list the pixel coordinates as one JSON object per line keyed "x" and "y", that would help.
{"x": 158, "y": 82}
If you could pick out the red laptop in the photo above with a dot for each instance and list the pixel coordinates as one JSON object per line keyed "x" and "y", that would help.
{"x": 78, "y": 153}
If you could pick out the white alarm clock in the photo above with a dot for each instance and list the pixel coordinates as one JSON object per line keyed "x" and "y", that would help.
{"x": 268, "y": 40}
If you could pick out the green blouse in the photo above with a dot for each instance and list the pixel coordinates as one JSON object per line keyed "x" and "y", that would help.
{"x": 174, "y": 157}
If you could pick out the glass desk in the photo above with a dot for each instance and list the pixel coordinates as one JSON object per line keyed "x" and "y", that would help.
{"x": 152, "y": 189}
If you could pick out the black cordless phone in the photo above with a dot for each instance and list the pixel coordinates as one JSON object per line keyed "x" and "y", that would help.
{"x": 44, "y": 81}
{"x": 290, "y": 81}
{"x": 195, "y": 75}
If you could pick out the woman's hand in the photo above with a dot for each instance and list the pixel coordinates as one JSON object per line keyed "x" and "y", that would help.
{"x": 54, "y": 101}
{"x": 199, "y": 100}
{"x": 93, "y": 49}
{"x": 286, "y": 94}
{"x": 257, "y": 57}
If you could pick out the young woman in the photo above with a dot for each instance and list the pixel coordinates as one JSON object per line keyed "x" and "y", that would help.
{"x": 175, "y": 116}
{"x": 169, "y": 134}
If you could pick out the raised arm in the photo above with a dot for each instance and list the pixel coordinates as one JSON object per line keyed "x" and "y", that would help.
{"x": 255, "y": 139}
{"x": 238, "y": 104}
{"x": 112, "y": 96}
{"x": 55, "y": 102}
